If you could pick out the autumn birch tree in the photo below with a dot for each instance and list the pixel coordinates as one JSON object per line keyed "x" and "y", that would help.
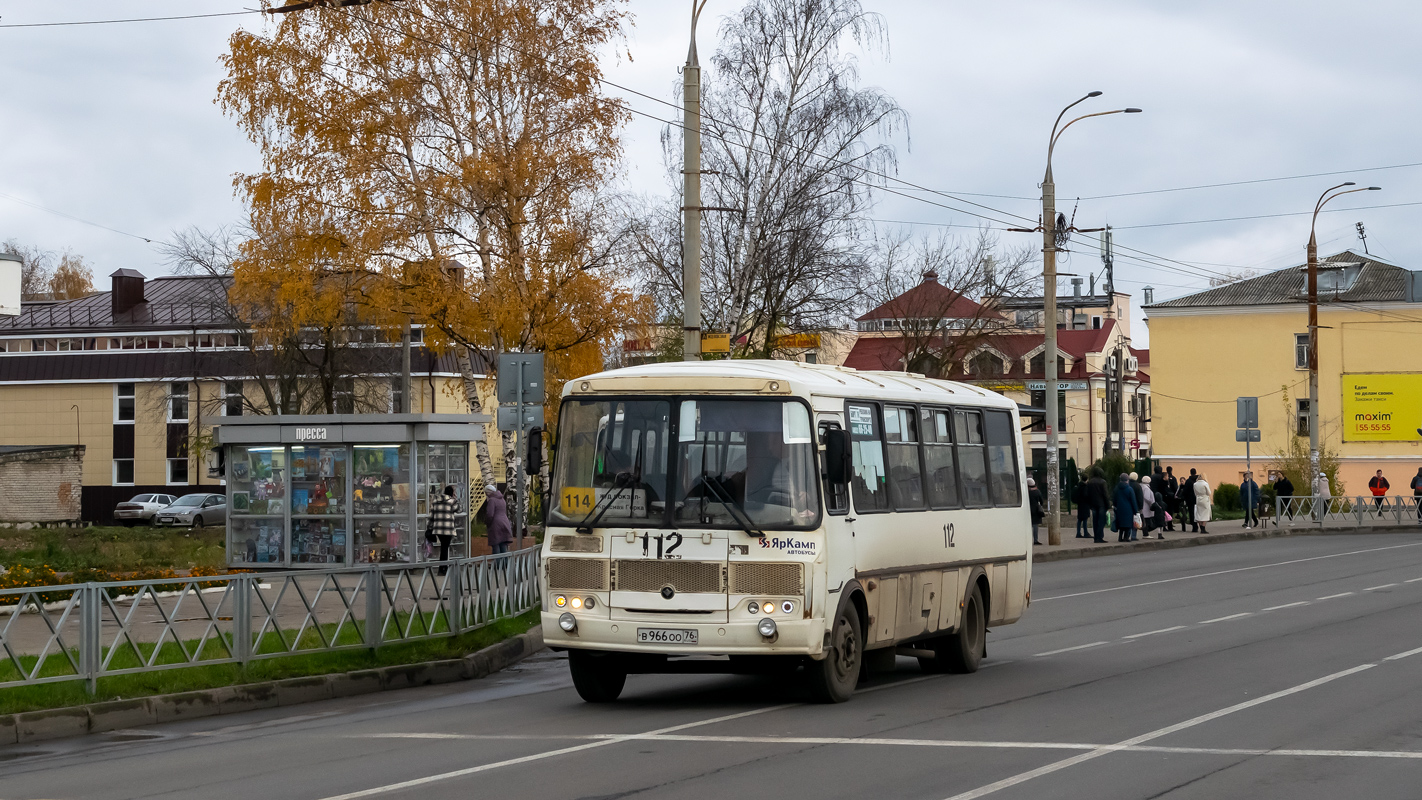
{"x": 453, "y": 154}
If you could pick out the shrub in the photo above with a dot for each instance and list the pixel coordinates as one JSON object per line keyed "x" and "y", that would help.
{"x": 1227, "y": 497}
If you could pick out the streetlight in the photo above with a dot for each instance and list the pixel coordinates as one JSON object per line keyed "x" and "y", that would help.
{"x": 1049, "y": 297}
{"x": 1313, "y": 326}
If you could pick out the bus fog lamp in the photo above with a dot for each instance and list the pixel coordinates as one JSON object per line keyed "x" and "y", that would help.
{"x": 567, "y": 622}
{"x": 766, "y": 628}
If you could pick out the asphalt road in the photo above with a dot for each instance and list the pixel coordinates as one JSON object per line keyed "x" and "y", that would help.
{"x": 1284, "y": 668}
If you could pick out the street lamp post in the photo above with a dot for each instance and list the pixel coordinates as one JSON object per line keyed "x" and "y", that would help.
{"x": 691, "y": 197}
{"x": 1049, "y": 314}
{"x": 1313, "y": 458}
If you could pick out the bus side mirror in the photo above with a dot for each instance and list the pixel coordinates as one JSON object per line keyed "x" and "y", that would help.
{"x": 534, "y": 456}
{"x": 837, "y": 455}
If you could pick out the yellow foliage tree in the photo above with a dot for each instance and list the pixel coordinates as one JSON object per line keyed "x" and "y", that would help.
{"x": 447, "y": 159}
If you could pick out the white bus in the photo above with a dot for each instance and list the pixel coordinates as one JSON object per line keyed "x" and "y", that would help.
{"x": 785, "y": 515}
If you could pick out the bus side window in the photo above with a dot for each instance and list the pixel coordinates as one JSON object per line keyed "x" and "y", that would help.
{"x": 1002, "y": 459}
{"x": 836, "y": 494}
{"x": 939, "y": 467}
{"x": 905, "y": 471}
{"x": 972, "y": 465}
{"x": 868, "y": 484}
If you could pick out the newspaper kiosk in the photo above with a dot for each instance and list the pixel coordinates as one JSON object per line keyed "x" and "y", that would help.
{"x": 333, "y": 489}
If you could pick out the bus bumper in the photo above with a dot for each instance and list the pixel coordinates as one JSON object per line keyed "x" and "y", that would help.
{"x": 793, "y": 637}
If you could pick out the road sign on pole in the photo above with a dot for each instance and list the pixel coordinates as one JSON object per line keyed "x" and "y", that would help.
{"x": 1246, "y": 435}
{"x": 520, "y": 383}
{"x": 1246, "y": 413}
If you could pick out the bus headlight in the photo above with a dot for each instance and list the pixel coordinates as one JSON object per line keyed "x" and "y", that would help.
{"x": 753, "y": 607}
{"x": 577, "y": 603}
{"x": 568, "y": 622}
{"x": 767, "y": 628}
{"x": 590, "y": 602}
{"x": 768, "y": 608}
{"x": 788, "y": 606}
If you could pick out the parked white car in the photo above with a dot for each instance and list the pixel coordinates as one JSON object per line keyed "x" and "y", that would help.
{"x": 193, "y": 511}
{"x": 141, "y": 508}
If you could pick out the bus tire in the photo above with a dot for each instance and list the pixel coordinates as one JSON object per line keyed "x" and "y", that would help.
{"x": 832, "y": 679}
{"x": 965, "y": 649}
{"x": 598, "y": 677}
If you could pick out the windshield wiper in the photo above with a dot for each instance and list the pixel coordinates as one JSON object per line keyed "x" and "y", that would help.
{"x": 624, "y": 480}
{"x": 737, "y": 510}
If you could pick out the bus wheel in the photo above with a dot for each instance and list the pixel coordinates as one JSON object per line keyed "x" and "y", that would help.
{"x": 963, "y": 651}
{"x": 833, "y": 678}
{"x": 597, "y": 676}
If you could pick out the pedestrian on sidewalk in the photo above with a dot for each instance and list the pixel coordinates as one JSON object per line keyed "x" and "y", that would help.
{"x": 1172, "y": 498}
{"x": 1187, "y": 503}
{"x": 1099, "y": 499}
{"x": 1249, "y": 498}
{"x": 1083, "y": 511}
{"x": 1379, "y": 486}
{"x": 1322, "y": 497}
{"x": 496, "y": 510}
{"x": 1203, "y": 502}
{"x": 443, "y": 524}
{"x": 1140, "y": 503}
{"x": 1125, "y": 508}
{"x": 1417, "y": 493}
{"x": 1284, "y": 496}
{"x": 1150, "y": 509}
{"x": 1034, "y": 505}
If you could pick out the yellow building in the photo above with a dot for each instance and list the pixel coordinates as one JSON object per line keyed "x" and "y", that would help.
{"x": 140, "y": 374}
{"x": 1250, "y": 338}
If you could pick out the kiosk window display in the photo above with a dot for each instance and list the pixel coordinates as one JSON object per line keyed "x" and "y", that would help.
{"x": 358, "y": 494}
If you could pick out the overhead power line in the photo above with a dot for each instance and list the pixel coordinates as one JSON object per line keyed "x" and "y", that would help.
{"x": 123, "y": 21}
{"x": 1261, "y": 216}
{"x": 24, "y": 202}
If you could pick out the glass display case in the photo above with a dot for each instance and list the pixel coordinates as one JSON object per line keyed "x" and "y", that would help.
{"x": 360, "y": 493}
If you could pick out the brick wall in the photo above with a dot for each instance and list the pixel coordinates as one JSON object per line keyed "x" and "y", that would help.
{"x": 41, "y": 484}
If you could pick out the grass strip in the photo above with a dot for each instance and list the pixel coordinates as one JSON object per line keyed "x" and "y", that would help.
{"x": 185, "y": 679}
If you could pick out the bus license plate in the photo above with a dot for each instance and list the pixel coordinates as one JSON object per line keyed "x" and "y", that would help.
{"x": 665, "y": 636}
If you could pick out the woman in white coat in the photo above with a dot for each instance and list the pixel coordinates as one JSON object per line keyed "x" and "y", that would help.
{"x": 1203, "y": 497}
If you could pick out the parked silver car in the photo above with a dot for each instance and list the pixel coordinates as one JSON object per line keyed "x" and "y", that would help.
{"x": 141, "y": 508}
{"x": 194, "y": 511}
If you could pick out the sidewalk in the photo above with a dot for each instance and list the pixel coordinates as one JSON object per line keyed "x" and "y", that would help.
{"x": 1230, "y": 530}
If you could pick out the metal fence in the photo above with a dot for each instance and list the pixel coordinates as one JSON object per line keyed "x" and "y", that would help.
{"x": 88, "y": 631}
{"x": 1345, "y": 512}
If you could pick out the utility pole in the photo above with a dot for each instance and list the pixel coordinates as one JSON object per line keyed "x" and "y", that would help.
{"x": 404, "y": 407}
{"x": 1363, "y": 234}
{"x": 1120, "y": 373}
{"x": 1108, "y": 257}
{"x": 1313, "y": 458}
{"x": 691, "y": 197}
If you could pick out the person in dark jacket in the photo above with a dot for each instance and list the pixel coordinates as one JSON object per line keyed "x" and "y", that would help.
{"x": 496, "y": 511}
{"x": 1083, "y": 511}
{"x": 1417, "y": 493}
{"x": 1379, "y": 486}
{"x": 1125, "y": 508}
{"x": 1140, "y": 500}
{"x": 1099, "y": 499}
{"x": 1249, "y": 499}
{"x": 1187, "y": 503}
{"x": 1172, "y": 497}
{"x": 1034, "y": 505}
{"x": 1283, "y": 497}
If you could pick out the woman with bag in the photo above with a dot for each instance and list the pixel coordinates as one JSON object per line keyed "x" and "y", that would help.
{"x": 497, "y": 519}
{"x": 1034, "y": 506}
{"x": 443, "y": 524}
{"x": 1203, "y": 502}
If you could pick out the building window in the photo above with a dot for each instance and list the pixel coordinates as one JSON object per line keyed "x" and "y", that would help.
{"x": 1300, "y": 351}
{"x": 178, "y": 402}
{"x": 177, "y": 471}
{"x": 985, "y": 365}
{"x": 345, "y": 396}
{"x": 232, "y": 399}
{"x": 397, "y": 395}
{"x": 123, "y": 402}
{"x": 1096, "y": 323}
{"x": 1302, "y": 414}
{"x": 123, "y": 472}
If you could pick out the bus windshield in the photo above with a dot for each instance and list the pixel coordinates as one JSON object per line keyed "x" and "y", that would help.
{"x": 734, "y": 463}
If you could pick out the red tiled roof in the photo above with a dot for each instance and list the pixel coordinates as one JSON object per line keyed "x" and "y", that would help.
{"x": 876, "y": 352}
{"x": 929, "y": 300}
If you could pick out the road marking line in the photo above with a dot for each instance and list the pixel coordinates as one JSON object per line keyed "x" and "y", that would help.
{"x": 459, "y": 773}
{"x": 1414, "y": 580}
{"x": 1231, "y": 616}
{"x": 1223, "y": 572}
{"x": 1384, "y": 586}
{"x": 1286, "y": 605}
{"x": 890, "y": 742}
{"x": 1403, "y": 655}
{"x": 1152, "y": 633}
{"x": 271, "y": 723}
{"x": 1057, "y": 766}
{"x": 1069, "y": 649}
{"x": 1335, "y": 596}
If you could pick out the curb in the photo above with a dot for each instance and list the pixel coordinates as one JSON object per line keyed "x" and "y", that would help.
{"x": 59, "y": 723}
{"x": 1146, "y": 545}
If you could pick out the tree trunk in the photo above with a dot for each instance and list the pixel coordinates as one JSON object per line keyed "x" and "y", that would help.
{"x": 476, "y": 406}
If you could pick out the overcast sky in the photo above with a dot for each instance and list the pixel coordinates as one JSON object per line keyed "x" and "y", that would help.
{"x": 115, "y": 124}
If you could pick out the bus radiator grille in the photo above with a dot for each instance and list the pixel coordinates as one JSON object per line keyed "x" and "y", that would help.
{"x": 683, "y": 576}
{"x": 768, "y": 579}
{"x": 577, "y": 573}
